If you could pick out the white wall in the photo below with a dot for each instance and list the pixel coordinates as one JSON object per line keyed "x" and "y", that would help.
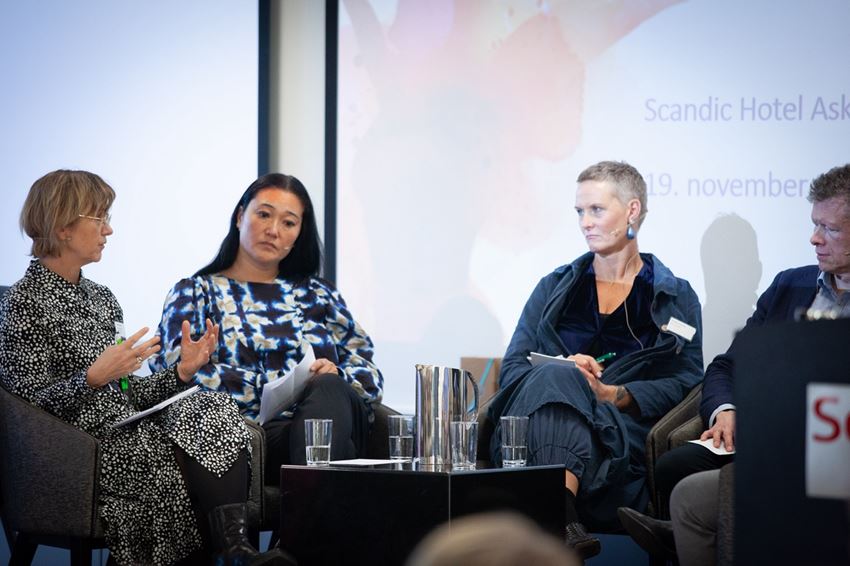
{"x": 157, "y": 97}
{"x": 297, "y": 97}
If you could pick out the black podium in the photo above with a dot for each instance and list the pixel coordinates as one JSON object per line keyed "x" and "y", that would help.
{"x": 775, "y": 521}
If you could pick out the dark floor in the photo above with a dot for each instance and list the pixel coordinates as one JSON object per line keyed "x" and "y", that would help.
{"x": 617, "y": 550}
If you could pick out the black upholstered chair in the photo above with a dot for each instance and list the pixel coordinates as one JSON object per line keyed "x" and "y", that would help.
{"x": 48, "y": 482}
{"x": 49, "y": 473}
{"x": 677, "y": 427}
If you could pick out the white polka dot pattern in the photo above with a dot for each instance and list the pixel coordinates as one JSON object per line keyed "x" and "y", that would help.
{"x": 50, "y": 333}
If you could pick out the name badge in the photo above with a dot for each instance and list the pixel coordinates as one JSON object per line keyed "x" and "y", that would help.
{"x": 679, "y": 328}
{"x": 120, "y": 333}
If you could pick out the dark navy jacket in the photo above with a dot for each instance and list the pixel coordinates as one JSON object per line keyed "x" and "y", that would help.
{"x": 791, "y": 290}
{"x": 658, "y": 377}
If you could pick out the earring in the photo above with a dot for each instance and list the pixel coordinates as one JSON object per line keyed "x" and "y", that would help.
{"x": 630, "y": 232}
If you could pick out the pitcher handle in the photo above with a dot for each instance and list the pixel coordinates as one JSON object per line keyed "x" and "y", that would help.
{"x": 474, "y": 410}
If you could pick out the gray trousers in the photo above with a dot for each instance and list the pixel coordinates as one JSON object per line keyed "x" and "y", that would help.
{"x": 694, "y": 511}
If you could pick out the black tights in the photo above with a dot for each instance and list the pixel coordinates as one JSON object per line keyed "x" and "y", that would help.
{"x": 208, "y": 491}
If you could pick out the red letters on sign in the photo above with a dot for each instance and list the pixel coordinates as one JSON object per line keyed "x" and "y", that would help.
{"x": 831, "y": 421}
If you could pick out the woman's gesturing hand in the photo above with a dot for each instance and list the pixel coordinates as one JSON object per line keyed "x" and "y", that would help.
{"x": 194, "y": 354}
{"x": 121, "y": 359}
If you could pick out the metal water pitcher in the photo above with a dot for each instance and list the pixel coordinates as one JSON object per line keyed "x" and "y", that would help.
{"x": 441, "y": 397}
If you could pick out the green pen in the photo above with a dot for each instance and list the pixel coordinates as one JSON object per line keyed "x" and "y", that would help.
{"x": 123, "y": 381}
{"x": 606, "y": 357}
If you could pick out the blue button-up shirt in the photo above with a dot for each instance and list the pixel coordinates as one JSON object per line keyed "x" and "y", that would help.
{"x": 828, "y": 300}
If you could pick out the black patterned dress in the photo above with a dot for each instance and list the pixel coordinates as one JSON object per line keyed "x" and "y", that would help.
{"x": 50, "y": 333}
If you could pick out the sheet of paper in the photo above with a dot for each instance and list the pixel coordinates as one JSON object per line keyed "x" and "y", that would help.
{"x": 158, "y": 406}
{"x": 537, "y": 359}
{"x": 361, "y": 462}
{"x": 280, "y": 394}
{"x": 709, "y": 443}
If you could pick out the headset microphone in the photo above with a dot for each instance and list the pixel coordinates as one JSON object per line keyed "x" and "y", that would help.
{"x": 614, "y": 233}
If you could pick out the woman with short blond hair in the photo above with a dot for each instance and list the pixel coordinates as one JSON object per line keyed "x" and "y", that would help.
{"x": 64, "y": 349}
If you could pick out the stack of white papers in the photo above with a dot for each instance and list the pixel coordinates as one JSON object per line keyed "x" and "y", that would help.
{"x": 280, "y": 394}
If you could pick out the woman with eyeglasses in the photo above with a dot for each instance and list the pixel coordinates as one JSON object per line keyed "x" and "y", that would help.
{"x": 64, "y": 349}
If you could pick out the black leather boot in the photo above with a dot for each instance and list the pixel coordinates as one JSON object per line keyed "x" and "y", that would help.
{"x": 652, "y": 535}
{"x": 584, "y": 545}
{"x": 229, "y": 533}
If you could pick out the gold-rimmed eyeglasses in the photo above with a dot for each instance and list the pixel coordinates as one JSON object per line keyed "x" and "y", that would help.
{"x": 100, "y": 219}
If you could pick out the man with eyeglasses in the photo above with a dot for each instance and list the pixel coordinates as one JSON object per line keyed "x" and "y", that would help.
{"x": 692, "y": 472}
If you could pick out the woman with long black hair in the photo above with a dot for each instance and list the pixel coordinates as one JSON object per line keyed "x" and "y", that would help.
{"x": 264, "y": 291}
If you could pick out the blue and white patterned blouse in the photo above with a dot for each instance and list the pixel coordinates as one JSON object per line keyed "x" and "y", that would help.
{"x": 263, "y": 326}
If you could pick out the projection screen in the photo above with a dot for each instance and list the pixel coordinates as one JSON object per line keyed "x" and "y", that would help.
{"x": 463, "y": 126}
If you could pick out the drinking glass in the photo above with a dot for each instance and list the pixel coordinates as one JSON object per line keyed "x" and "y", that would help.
{"x": 401, "y": 437}
{"x": 317, "y": 436}
{"x": 464, "y": 444}
{"x": 514, "y": 442}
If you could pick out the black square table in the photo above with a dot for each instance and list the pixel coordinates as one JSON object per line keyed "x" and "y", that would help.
{"x": 377, "y": 514}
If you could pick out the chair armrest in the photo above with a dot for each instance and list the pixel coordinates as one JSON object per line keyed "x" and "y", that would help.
{"x": 657, "y": 441}
{"x": 670, "y": 431}
{"x": 256, "y": 500}
{"x": 379, "y": 435}
{"x": 49, "y": 471}
{"x": 263, "y": 500}
{"x": 690, "y": 430}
